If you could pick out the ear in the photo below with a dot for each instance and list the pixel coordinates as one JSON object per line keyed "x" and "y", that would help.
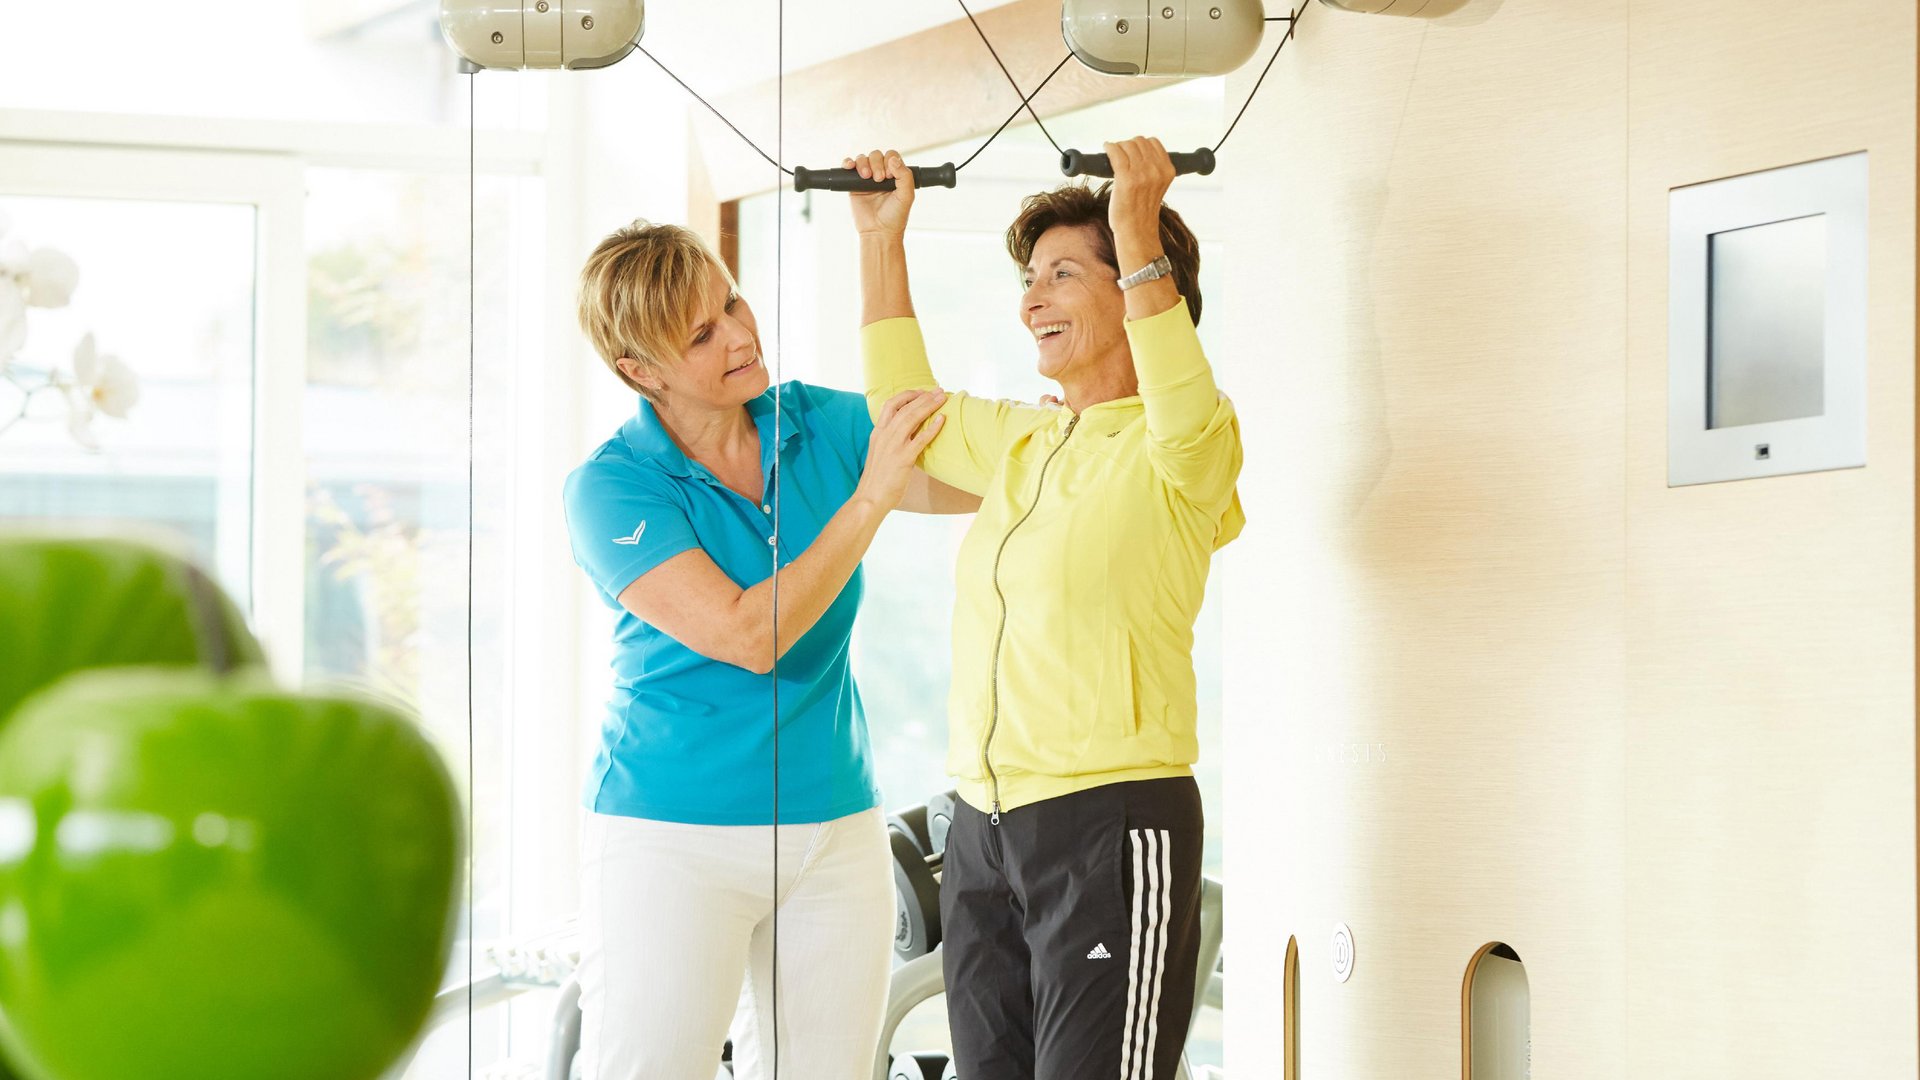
{"x": 632, "y": 369}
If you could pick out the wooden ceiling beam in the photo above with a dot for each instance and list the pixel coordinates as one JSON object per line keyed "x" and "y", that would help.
{"x": 928, "y": 89}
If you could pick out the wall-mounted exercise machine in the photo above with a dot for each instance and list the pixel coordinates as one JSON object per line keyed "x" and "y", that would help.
{"x": 1176, "y": 38}
{"x": 1166, "y": 38}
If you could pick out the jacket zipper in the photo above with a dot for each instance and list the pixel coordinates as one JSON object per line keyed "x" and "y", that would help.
{"x": 993, "y": 718}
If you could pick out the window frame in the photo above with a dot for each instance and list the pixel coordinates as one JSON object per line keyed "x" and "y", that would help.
{"x": 271, "y": 184}
{"x": 265, "y": 164}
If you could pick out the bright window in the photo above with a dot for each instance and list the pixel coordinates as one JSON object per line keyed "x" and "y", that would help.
{"x": 300, "y": 333}
{"x": 180, "y": 464}
{"x": 384, "y": 432}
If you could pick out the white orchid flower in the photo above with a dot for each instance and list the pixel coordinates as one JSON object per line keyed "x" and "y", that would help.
{"x": 51, "y": 278}
{"x": 13, "y": 257}
{"x": 80, "y": 422}
{"x": 106, "y": 382}
{"x": 13, "y": 320}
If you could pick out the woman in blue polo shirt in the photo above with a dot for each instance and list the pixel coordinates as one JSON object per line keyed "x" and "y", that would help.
{"x": 674, "y": 519}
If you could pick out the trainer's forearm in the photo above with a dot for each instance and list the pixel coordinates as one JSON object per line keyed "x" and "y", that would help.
{"x": 808, "y": 585}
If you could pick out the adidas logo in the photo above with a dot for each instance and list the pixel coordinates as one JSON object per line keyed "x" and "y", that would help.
{"x": 1100, "y": 952}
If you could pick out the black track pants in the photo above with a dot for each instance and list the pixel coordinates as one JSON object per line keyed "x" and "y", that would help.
{"x": 1071, "y": 933}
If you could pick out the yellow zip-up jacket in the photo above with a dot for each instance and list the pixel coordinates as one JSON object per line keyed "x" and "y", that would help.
{"x": 1080, "y": 579}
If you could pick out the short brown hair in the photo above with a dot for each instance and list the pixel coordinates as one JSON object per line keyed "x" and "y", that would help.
{"x": 1076, "y": 206}
{"x": 640, "y": 293}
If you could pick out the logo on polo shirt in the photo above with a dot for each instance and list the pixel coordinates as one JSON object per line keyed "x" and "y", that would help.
{"x": 634, "y": 539}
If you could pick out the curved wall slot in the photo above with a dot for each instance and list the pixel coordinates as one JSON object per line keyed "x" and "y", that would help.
{"x": 1290, "y": 1022}
{"x": 1495, "y": 1038}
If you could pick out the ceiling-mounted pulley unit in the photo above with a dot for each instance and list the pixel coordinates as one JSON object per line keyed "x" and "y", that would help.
{"x": 542, "y": 33}
{"x": 1173, "y": 38}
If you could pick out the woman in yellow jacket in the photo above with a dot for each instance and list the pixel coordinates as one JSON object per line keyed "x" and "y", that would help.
{"x": 1070, "y": 898}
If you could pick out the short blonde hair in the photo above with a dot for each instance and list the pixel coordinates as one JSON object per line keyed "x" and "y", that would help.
{"x": 640, "y": 293}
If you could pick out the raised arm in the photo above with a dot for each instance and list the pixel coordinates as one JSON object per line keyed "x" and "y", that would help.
{"x": 965, "y": 455}
{"x": 1193, "y": 436}
{"x": 880, "y": 219}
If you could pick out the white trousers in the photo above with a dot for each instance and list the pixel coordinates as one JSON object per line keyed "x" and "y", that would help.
{"x": 677, "y": 931}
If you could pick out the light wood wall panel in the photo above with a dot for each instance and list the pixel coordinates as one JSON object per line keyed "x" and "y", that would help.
{"x": 1770, "y": 705}
{"x": 1425, "y": 617}
{"x": 1490, "y": 678}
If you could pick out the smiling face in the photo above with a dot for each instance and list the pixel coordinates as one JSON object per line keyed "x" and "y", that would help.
{"x": 1074, "y": 308}
{"x": 720, "y": 365}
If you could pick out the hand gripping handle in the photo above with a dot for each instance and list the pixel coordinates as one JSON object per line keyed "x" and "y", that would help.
{"x": 924, "y": 176}
{"x": 1075, "y": 163}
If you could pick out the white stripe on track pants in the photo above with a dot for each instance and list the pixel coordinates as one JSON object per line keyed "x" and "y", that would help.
{"x": 677, "y": 940}
{"x": 1071, "y": 931}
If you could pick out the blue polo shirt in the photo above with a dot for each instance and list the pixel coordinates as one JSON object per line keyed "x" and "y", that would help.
{"x": 687, "y": 738}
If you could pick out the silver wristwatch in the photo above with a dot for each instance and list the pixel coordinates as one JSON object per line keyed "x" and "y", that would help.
{"x": 1158, "y": 268}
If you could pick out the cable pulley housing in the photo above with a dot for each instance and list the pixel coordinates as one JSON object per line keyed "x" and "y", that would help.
{"x": 1172, "y": 38}
{"x": 545, "y": 34}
